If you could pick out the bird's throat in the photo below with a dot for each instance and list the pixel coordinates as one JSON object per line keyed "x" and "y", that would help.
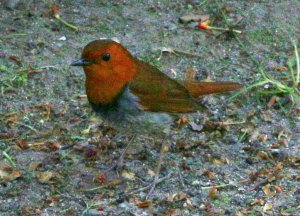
{"x": 102, "y": 93}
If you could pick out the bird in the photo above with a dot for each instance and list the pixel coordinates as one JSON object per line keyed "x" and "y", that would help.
{"x": 134, "y": 96}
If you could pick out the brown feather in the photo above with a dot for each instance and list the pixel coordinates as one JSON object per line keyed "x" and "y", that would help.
{"x": 158, "y": 92}
{"x": 198, "y": 88}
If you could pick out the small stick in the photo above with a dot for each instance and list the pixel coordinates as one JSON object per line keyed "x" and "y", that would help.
{"x": 225, "y": 185}
{"x": 150, "y": 185}
{"x": 28, "y": 126}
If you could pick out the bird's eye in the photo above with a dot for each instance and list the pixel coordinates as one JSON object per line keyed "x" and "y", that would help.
{"x": 106, "y": 57}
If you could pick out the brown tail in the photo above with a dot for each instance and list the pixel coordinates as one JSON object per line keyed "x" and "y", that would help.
{"x": 197, "y": 88}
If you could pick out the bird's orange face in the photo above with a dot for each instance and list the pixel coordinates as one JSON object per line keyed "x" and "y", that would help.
{"x": 106, "y": 59}
{"x": 108, "y": 67}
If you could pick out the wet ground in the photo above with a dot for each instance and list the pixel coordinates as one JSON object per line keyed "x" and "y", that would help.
{"x": 240, "y": 156}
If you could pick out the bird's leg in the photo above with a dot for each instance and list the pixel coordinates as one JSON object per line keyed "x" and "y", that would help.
{"x": 156, "y": 180}
{"x": 119, "y": 163}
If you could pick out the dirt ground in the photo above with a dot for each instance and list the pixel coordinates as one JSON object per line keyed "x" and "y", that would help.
{"x": 239, "y": 156}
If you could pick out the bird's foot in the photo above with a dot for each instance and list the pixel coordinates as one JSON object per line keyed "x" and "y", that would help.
{"x": 118, "y": 165}
{"x": 150, "y": 186}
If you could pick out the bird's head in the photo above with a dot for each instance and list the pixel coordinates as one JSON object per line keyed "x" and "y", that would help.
{"x": 108, "y": 67}
{"x": 107, "y": 59}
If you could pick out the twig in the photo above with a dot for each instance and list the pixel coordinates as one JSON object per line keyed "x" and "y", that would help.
{"x": 150, "y": 185}
{"x": 28, "y": 126}
{"x": 12, "y": 35}
{"x": 95, "y": 188}
{"x": 225, "y": 185}
{"x": 230, "y": 123}
{"x": 36, "y": 144}
{"x": 34, "y": 70}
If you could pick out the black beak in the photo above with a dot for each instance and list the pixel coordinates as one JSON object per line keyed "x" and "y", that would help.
{"x": 81, "y": 62}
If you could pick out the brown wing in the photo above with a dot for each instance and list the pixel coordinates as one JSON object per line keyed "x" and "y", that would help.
{"x": 157, "y": 92}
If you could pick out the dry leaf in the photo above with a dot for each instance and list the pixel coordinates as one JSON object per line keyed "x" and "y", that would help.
{"x": 263, "y": 137}
{"x": 115, "y": 182}
{"x": 55, "y": 10}
{"x": 272, "y": 101}
{"x": 211, "y": 175}
{"x": 182, "y": 120}
{"x": 151, "y": 172}
{"x": 101, "y": 178}
{"x": 213, "y": 193}
{"x": 177, "y": 197}
{"x": 277, "y": 188}
{"x": 9, "y": 174}
{"x": 34, "y": 165}
{"x": 44, "y": 177}
{"x": 86, "y": 131}
{"x": 143, "y": 204}
{"x": 267, "y": 190}
{"x": 171, "y": 212}
{"x": 257, "y": 201}
{"x": 239, "y": 214}
{"x": 263, "y": 155}
{"x": 188, "y": 202}
{"x": 12, "y": 118}
{"x": 128, "y": 175}
{"x": 267, "y": 207}
{"x": 54, "y": 145}
{"x": 53, "y": 200}
{"x": 280, "y": 68}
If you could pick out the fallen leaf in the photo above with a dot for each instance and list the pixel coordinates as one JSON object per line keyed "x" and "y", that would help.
{"x": 238, "y": 213}
{"x": 277, "y": 188}
{"x": 9, "y": 174}
{"x": 267, "y": 190}
{"x": 34, "y": 165}
{"x": 280, "y": 68}
{"x": 44, "y": 177}
{"x": 12, "y": 118}
{"x": 54, "y": 145}
{"x": 115, "y": 182}
{"x": 54, "y": 10}
{"x": 257, "y": 201}
{"x": 264, "y": 155}
{"x": 213, "y": 193}
{"x": 182, "y": 120}
{"x": 211, "y": 175}
{"x": 272, "y": 101}
{"x": 101, "y": 178}
{"x": 188, "y": 202}
{"x": 22, "y": 144}
{"x": 267, "y": 207}
{"x": 151, "y": 172}
{"x": 53, "y": 200}
{"x": 128, "y": 175}
{"x": 263, "y": 137}
{"x": 143, "y": 204}
{"x": 177, "y": 197}
{"x": 171, "y": 212}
